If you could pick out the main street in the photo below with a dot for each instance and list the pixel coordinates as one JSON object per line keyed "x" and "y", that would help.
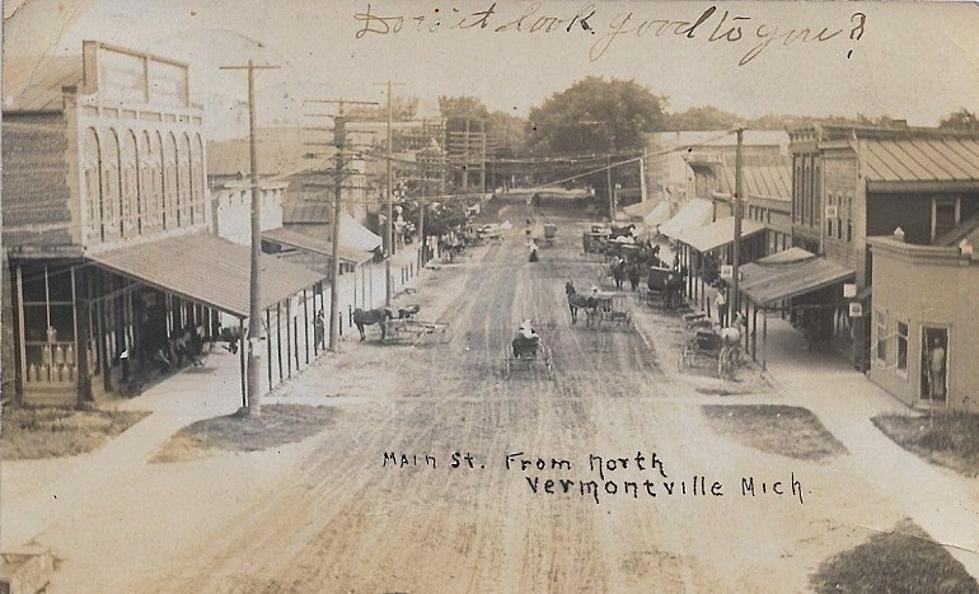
{"x": 342, "y": 521}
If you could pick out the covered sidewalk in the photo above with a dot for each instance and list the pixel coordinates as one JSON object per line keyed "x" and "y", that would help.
{"x": 203, "y": 276}
{"x": 705, "y": 248}
{"x": 796, "y": 281}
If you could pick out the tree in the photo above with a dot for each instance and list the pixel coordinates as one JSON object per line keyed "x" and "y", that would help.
{"x": 509, "y": 131}
{"x": 962, "y": 119}
{"x": 595, "y": 114}
{"x": 460, "y": 108}
{"x": 706, "y": 117}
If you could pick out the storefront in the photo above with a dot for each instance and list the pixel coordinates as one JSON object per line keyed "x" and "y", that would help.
{"x": 89, "y": 326}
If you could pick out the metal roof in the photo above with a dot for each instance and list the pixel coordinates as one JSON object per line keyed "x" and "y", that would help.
{"x": 697, "y": 212}
{"x": 769, "y": 280}
{"x": 768, "y": 176}
{"x": 295, "y": 239}
{"x": 921, "y": 159}
{"x": 718, "y": 234}
{"x": 208, "y": 270}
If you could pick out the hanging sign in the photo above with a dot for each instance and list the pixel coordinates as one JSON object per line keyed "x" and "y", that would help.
{"x": 856, "y": 310}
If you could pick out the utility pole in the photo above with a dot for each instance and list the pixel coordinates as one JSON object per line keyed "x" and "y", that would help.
{"x": 482, "y": 166}
{"x": 340, "y": 142}
{"x": 389, "y": 226}
{"x": 642, "y": 176}
{"x": 735, "y": 261}
{"x": 255, "y": 330}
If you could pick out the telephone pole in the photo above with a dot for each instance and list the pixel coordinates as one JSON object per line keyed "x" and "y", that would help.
{"x": 389, "y": 225}
{"x": 735, "y": 261}
{"x": 255, "y": 330}
{"x": 340, "y": 142}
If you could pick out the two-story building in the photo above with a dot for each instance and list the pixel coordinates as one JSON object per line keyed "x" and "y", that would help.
{"x": 852, "y": 183}
{"x": 106, "y": 220}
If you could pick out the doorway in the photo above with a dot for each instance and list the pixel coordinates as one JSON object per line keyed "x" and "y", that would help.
{"x": 934, "y": 365}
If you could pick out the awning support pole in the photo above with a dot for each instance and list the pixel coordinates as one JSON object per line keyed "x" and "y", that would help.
{"x": 268, "y": 344}
{"x": 278, "y": 332}
{"x": 241, "y": 362}
{"x": 306, "y": 324}
{"x": 764, "y": 341}
{"x": 754, "y": 333}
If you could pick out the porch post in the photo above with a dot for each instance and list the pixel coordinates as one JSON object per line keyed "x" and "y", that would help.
{"x": 764, "y": 340}
{"x": 289, "y": 337}
{"x": 278, "y": 332}
{"x": 21, "y": 332}
{"x": 268, "y": 344}
{"x": 754, "y": 332}
{"x": 241, "y": 361}
{"x": 306, "y": 324}
{"x": 79, "y": 294}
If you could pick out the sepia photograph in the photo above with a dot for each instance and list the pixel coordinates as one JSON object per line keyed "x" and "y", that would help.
{"x": 489, "y": 296}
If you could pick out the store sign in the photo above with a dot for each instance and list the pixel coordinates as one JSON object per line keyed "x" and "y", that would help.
{"x": 849, "y": 290}
{"x": 727, "y": 271}
{"x": 856, "y": 310}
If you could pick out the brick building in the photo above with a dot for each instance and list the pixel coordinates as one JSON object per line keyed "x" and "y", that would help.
{"x": 926, "y": 324}
{"x": 106, "y": 220}
{"x": 852, "y": 183}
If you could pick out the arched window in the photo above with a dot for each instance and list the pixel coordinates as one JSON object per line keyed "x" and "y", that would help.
{"x": 172, "y": 181}
{"x": 132, "y": 210}
{"x": 111, "y": 193}
{"x": 200, "y": 176}
{"x": 187, "y": 165}
{"x": 160, "y": 175}
{"x": 92, "y": 184}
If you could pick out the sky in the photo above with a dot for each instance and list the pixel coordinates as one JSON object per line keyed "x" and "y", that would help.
{"x": 912, "y": 61}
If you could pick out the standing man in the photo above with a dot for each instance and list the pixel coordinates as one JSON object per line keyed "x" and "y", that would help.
{"x": 721, "y": 303}
{"x": 936, "y": 370}
{"x": 319, "y": 330}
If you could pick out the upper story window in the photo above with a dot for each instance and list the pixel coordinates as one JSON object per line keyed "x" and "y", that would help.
{"x": 945, "y": 216}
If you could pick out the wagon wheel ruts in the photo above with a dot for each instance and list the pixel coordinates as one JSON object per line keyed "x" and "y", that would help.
{"x": 506, "y": 361}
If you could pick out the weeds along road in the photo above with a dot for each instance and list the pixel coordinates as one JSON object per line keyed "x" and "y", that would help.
{"x": 343, "y": 522}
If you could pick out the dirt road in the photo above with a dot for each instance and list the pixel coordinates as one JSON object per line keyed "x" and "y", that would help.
{"x": 346, "y": 522}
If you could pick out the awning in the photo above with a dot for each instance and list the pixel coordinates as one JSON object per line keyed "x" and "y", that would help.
{"x": 697, "y": 212}
{"x": 356, "y": 236}
{"x": 639, "y": 210}
{"x": 718, "y": 234}
{"x": 774, "y": 279}
{"x": 659, "y": 215}
{"x": 208, "y": 270}
{"x": 294, "y": 239}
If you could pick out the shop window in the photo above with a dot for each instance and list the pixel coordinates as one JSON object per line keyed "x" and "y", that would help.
{"x": 881, "y": 336}
{"x": 945, "y": 216}
{"x": 902, "y": 347}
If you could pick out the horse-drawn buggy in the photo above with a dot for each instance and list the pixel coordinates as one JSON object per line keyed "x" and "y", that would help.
{"x": 400, "y": 326}
{"x": 527, "y": 351}
{"x": 612, "y": 309}
{"x": 550, "y": 235}
{"x": 408, "y": 328}
{"x": 704, "y": 342}
{"x": 664, "y": 287}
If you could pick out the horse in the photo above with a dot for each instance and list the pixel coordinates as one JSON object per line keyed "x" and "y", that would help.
{"x": 577, "y": 300}
{"x": 730, "y": 348}
{"x": 619, "y": 271}
{"x": 674, "y": 288}
{"x": 370, "y": 317}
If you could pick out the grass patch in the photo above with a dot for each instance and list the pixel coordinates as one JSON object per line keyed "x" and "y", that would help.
{"x": 903, "y": 560}
{"x": 33, "y": 434}
{"x": 787, "y": 430}
{"x": 950, "y": 440}
{"x": 278, "y": 424}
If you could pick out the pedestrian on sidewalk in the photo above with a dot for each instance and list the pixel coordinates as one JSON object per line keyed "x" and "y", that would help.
{"x": 721, "y": 303}
{"x": 319, "y": 330}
